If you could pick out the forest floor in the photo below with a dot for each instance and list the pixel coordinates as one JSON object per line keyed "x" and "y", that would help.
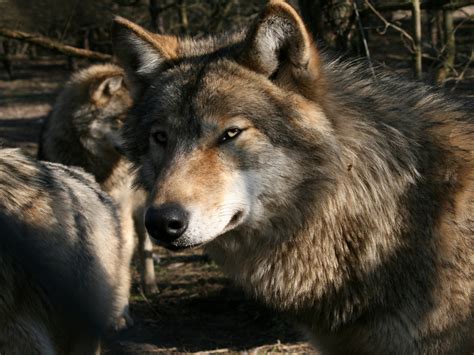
{"x": 197, "y": 309}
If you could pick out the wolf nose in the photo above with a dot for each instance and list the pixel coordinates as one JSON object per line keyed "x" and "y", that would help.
{"x": 166, "y": 222}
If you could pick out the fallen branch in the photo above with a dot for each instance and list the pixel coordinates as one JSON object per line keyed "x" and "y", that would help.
{"x": 53, "y": 44}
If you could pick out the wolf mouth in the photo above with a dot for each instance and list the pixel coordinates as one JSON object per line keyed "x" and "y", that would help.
{"x": 175, "y": 247}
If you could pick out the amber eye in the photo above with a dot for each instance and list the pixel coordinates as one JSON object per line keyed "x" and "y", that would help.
{"x": 230, "y": 134}
{"x": 160, "y": 137}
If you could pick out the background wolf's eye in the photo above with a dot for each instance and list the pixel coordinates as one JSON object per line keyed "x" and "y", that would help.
{"x": 230, "y": 134}
{"x": 160, "y": 137}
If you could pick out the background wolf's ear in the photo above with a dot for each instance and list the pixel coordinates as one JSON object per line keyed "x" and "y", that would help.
{"x": 105, "y": 89}
{"x": 139, "y": 51}
{"x": 279, "y": 44}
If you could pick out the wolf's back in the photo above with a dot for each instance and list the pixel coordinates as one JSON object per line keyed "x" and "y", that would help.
{"x": 59, "y": 248}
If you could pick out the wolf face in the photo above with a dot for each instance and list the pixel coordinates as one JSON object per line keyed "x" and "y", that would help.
{"x": 107, "y": 105}
{"x": 83, "y": 128}
{"x": 213, "y": 166}
{"x": 217, "y": 124}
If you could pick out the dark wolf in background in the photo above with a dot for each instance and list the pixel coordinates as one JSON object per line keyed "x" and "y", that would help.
{"x": 64, "y": 274}
{"x": 83, "y": 130}
{"x": 343, "y": 200}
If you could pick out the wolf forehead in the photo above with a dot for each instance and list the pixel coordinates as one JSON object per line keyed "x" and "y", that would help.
{"x": 217, "y": 89}
{"x": 207, "y": 96}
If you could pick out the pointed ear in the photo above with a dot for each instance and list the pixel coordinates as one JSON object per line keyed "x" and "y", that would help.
{"x": 279, "y": 44}
{"x": 139, "y": 51}
{"x": 105, "y": 89}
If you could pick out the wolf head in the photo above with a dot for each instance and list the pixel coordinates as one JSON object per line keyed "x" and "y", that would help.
{"x": 224, "y": 128}
{"x": 103, "y": 101}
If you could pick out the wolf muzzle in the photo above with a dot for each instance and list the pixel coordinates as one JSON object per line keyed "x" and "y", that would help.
{"x": 167, "y": 222}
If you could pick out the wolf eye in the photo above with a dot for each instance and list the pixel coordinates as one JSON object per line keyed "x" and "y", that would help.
{"x": 230, "y": 134}
{"x": 160, "y": 137}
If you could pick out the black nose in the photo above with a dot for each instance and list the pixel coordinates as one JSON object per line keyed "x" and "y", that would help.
{"x": 166, "y": 222}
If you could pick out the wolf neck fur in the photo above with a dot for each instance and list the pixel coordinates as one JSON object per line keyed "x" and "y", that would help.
{"x": 356, "y": 247}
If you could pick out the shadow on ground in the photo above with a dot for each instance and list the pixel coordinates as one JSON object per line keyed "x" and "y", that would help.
{"x": 198, "y": 310}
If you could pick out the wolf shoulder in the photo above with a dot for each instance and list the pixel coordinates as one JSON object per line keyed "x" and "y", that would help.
{"x": 55, "y": 220}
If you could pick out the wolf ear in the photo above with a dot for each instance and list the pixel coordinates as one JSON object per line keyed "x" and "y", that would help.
{"x": 279, "y": 44}
{"x": 139, "y": 51}
{"x": 105, "y": 89}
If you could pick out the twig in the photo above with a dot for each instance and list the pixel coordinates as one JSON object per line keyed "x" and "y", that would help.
{"x": 389, "y": 24}
{"x": 53, "y": 44}
{"x": 297, "y": 348}
{"x": 443, "y": 48}
{"x": 183, "y": 16}
{"x": 461, "y": 75}
{"x": 68, "y": 22}
{"x": 364, "y": 39}
{"x": 149, "y": 304}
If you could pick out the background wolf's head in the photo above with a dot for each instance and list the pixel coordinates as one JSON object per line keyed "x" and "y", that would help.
{"x": 101, "y": 102}
{"x": 224, "y": 127}
{"x": 83, "y": 127}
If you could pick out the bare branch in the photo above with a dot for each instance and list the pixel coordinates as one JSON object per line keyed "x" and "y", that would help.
{"x": 53, "y": 44}
{"x": 463, "y": 72}
{"x": 364, "y": 39}
{"x": 389, "y": 24}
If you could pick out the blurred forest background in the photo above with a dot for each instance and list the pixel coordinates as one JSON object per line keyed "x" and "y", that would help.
{"x": 434, "y": 37}
{"x": 197, "y": 309}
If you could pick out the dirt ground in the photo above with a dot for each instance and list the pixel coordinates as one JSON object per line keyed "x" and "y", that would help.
{"x": 197, "y": 309}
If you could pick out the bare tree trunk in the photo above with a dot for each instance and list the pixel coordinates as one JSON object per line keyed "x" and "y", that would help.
{"x": 416, "y": 16}
{"x": 183, "y": 16}
{"x": 450, "y": 46}
{"x": 312, "y": 15}
{"x": 72, "y": 64}
{"x": 155, "y": 17}
{"x": 6, "y": 58}
{"x": 433, "y": 27}
{"x": 439, "y": 26}
{"x": 86, "y": 39}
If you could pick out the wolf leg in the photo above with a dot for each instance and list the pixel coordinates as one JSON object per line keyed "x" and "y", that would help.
{"x": 145, "y": 256}
{"x": 125, "y": 320}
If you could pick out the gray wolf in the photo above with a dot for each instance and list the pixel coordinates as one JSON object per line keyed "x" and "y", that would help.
{"x": 340, "y": 199}
{"x": 64, "y": 273}
{"x": 83, "y": 130}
